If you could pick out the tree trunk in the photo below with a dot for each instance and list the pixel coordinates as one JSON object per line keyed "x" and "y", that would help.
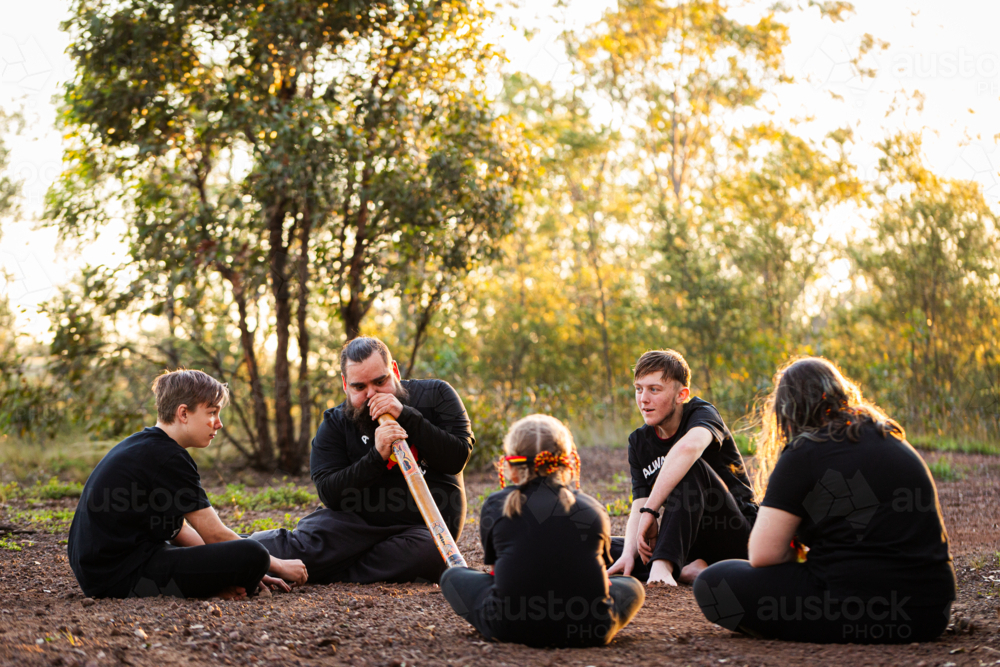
{"x": 354, "y": 310}
{"x": 421, "y": 331}
{"x": 283, "y": 315}
{"x": 305, "y": 400}
{"x": 263, "y": 454}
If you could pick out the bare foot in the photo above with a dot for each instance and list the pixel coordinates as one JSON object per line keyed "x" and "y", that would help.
{"x": 691, "y": 571}
{"x": 232, "y": 593}
{"x": 661, "y": 573}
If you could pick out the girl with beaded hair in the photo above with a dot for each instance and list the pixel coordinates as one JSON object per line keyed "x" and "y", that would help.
{"x": 549, "y": 545}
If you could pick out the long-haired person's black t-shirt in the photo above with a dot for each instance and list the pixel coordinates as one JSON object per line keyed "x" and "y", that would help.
{"x": 870, "y": 516}
{"x": 647, "y": 452}
{"x": 550, "y": 563}
{"x": 133, "y": 502}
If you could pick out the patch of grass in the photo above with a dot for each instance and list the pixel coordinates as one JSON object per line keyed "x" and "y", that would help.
{"x": 8, "y": 492}
{"x": 620, "y": 481}
{"x": 267, "y": 523}
{"x": 9, "y": 545}
{"x": 54, "y": 490}
{"x": 985, "y": 560}
{"x": 272, "y": 497}
{"x": 50, "y": 490}
{"x": 939, "y": 443}
{"x": 620, "y": 507}
{"x": 50, "y": 521}
{"x": 944, "y": 471}
{"x": 70, "y": 456}
{"x": 481, "y": 498}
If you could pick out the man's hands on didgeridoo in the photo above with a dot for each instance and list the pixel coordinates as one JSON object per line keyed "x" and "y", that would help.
{"x": 385, "y": 435}
{"x": 380, "y": 404}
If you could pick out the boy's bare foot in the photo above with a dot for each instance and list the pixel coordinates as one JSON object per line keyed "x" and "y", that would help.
{"x": 691, "y": 571}
{"x": 660, "y": 573}
{"x": 233, "y": 593}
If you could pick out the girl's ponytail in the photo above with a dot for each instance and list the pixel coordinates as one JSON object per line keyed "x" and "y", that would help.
{"x": 543, "y": 447}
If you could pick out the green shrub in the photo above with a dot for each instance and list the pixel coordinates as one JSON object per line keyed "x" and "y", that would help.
{"x": 944, "y": 471}
{"x": 620, "y": 507}
{"x": 272, "y": 497}
{"x": 267, "y": 523}
{"x": 54, "y": 490}
{"x": 9, "y": 545}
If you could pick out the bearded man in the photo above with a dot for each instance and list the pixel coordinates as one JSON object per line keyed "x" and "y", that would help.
{"x": 369, "y": 528}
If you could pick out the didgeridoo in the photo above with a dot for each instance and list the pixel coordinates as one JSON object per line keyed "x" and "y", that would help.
{"x": 425, "y": 501}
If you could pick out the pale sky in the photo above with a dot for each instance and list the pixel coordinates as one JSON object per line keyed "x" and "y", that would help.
{"x": 947, "y": 51}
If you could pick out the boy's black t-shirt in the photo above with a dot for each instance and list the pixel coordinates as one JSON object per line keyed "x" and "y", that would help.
{"x": 647, "y": 452}
{"x": 870, "y": 516}
{"x": 133, "y": 502}
{"x": 546, "y": 557}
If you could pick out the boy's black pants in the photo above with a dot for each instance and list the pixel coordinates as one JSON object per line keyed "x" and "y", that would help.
{"x": 700, "y": 519}
{"x": 197, "y": 572}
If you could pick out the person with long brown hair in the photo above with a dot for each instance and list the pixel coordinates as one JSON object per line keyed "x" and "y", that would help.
{"x": 849, "y": 545}
{"x": 549, "y": 545}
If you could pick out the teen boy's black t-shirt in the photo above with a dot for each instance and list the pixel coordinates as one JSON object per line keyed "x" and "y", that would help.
{"x": 647, "y": 452}
{"x": 870, "y": 516}
{"x": 550, "y": 564}
{"x": 133, "y": 502}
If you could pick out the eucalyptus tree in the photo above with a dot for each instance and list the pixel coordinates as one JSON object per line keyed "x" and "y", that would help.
{"x": 309, "y": 155}
{"x": 925, "y": 326}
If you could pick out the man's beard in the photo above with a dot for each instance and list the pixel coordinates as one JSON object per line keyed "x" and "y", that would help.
{"x": 362, "y": 417}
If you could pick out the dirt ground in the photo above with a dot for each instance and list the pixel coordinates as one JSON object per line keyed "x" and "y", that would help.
{"x": 44, "y": 619}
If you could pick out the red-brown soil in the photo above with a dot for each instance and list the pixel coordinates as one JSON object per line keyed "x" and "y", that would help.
{"x": 43, "y": 620}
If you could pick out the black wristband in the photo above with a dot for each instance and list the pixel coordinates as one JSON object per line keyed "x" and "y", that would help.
{"x": 647, "y": 510}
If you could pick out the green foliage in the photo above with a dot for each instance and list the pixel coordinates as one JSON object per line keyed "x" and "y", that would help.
{"x": 944, "y": 471}
{"x": 261, "y": 155}
{"x": 928, "y": 321}
{"x": 8, "y": 492}
{"x": 53, "y": 489}
{"x": 620, "y": 507}
{"x": 944, "y": 444}
{"x": 267, "y": 523}
{"x": 9, "y": 544}
{"x": 271, "y": 497}
{"x": 744, "y": 443}
{"x": 50, "y": 521}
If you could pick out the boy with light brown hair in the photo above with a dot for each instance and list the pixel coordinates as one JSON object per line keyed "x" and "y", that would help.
{"x": 144, "y": 525}
{"x": 693, "y": 504}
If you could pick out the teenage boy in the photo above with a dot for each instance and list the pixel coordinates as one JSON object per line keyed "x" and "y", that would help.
{"x": 693, "y": 504}
{"x": 144, "y": 526}
{"x": 370, "y": 528}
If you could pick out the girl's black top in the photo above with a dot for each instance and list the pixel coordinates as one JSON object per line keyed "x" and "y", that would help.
{"x": 870, "y": 516}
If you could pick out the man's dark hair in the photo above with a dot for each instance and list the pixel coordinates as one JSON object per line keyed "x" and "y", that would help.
{"x": 669, "y": 363}
{"x": 362, "y": 347}
{"x": 187, "y": 387}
